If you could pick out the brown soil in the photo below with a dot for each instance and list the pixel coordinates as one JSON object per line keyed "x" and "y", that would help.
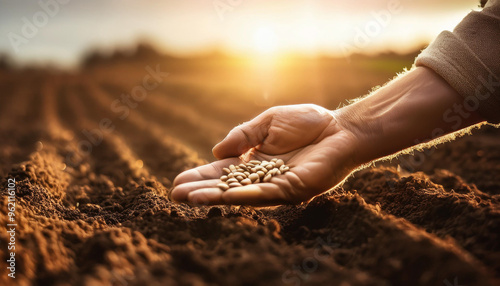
{"x": 108, "y": 220}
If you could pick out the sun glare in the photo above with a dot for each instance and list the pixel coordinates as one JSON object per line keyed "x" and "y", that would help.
{"x": 265, "y": 41}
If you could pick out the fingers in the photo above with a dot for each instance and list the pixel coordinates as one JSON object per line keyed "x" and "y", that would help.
{"x": 199, "y": 177}
{"x": 244, "y": 137}
{"x": 180, "y": 193}
{"x": 207, "y": 196}
{"x": 203, "y": 190}
{"x": 205, "y": 172}
{"x": 266, "y": 194}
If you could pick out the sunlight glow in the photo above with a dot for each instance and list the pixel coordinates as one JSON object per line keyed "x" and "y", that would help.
{"x": 265, "y": 40}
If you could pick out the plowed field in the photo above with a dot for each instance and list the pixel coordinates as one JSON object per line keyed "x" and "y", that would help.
{"x": 92, "y": 173}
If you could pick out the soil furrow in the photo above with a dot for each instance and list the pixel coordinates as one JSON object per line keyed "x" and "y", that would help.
{"x": 463, "y": 213}
{"x": 18, "y": 142}
{"x": 163, "y": 155}
{"x": 175, "y": 116}
{"x": 103, "y": 151}
{"x": 17, "y": 105}
{"x": 370, "y": 236}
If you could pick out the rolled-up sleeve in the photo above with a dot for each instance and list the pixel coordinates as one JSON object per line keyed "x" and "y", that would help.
{"x": 469, "y": 60}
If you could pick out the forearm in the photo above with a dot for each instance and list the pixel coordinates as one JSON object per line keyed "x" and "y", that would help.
{"x": 416, "y": 107}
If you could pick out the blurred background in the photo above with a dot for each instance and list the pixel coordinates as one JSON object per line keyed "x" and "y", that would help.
{"x": 227, "y": 60}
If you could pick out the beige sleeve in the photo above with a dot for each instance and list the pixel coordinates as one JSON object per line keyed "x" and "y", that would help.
{"x": 469, "y": 60}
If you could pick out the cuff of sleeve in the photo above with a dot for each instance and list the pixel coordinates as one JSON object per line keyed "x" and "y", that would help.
{"x": 455, "y": 62}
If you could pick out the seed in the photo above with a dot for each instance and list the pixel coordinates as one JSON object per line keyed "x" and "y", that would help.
{"x": 260, "y": 168}
{"x": 267, "y": 178}
{"x": 279, "y": 163}
{"x": 253, "y": 177}
{"x": 223, "y": 186}
{"x": 235, "y": 185}
{"x": 273, "y": 171}
{"x": 252, "y": 172}
{"x": 236, "y": 174}
{"x": 246, "y": 181}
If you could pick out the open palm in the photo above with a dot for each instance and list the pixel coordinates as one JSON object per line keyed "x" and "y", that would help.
{"x": 306, "y": 137}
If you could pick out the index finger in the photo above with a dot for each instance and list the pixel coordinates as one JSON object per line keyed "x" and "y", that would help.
{"x": 263, "y": 194}
{"x": 205, "y": 172}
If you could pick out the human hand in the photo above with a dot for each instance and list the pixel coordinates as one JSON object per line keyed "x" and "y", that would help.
{"x": 322, "y": 147}
{"x": 307, "y": 137}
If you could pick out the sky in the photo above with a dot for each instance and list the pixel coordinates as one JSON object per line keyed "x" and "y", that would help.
{"x": 61, "y": 31}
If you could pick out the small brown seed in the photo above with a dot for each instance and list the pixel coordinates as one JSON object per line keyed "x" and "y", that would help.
{"x": 267, "y": 178}
{"x": 253, "y": 177}
{"x": 223, "y": 186}
{"x": 254, "y": 172}
{"x": 279, "y": 163}
{"x": 236, "y": 174}
{"x": 246, "y": 181}
{"x": 260, "y": 168}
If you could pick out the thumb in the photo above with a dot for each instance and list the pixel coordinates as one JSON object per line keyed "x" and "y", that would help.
{"x": 243, "y": 137}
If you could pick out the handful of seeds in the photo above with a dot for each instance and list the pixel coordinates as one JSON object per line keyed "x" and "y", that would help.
{"x": 252, "y": 172}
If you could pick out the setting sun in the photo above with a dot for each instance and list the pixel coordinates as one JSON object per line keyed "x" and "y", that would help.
{"x": 265, "y": 41}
